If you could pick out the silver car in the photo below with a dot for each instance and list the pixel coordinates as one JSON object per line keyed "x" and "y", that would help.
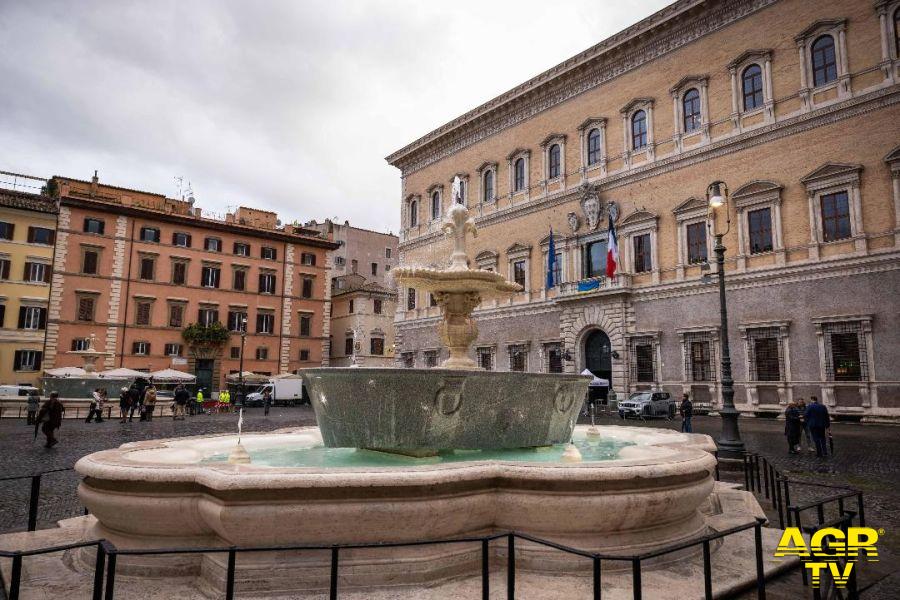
{"x": 647, "y": 405}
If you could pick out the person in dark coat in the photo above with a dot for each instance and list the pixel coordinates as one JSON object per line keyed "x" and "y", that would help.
{"x": 793, "y": 428}
{"x": 134, "y": 395}
{"x": 687, "y": 413}
{"x": 124, "y": 403}
{"x": 33, "y": 404}
{"x": 819, "y": 422}
{"x": 50, "y": 419}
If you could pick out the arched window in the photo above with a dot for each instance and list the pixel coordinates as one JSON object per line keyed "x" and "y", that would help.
{"x": 435, "y": 205}
{"x": 488, "y": 194}
{"x": 824, "y": 63}
{"x": 691, "y": 105}
{"x": 752, "y": 86}
{"x": 638, "y": 130}
{"x": 413, "y": 213}
{"x": 553, "y": 159}
{"x": 593, "y": 147}
{"x": 519, "y": 175}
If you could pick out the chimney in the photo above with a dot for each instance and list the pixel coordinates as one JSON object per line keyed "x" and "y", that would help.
{"x": 94, "y": 181}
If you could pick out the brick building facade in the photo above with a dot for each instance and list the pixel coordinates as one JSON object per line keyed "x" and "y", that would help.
{"x": 794, "y": 105}
{"x": 135, "y": 269}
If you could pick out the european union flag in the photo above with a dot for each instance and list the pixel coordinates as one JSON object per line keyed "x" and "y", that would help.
{"x": 551, "y": 263}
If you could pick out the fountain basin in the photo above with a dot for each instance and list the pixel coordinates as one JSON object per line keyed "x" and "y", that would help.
{"x": 420, "y": 411}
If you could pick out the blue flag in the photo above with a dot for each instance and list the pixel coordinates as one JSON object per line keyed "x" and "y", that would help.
{"x": 551, "y": 263}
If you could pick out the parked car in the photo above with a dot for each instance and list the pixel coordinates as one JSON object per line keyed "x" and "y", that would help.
{"x": 647, "y": 405}
{"x": 16, "y": 391}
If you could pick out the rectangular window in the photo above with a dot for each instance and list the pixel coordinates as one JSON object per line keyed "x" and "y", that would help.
{"x": 348, "y": 346}
{"x": 411, "y": 299}
{"x": 265, "y": 323}
{"x": 262, "y": 353}
{"x": 241, "y": 249}
{"x": 432, "y": 301}
{"x": 207, "y": 316}
{"x": 519, "y": 273}
{"x": 212, "y": 244}
{"x": 148, "y": 266}
{"x": 267, "y": 253}
{"x": 696, "y": 242}
{"x": 235, "y": 352}
{"x": 644, "y": 363}
{"x": 140, "y": 348}
{"x": 237, "y": 320}
{"x": 595, "y": 259}
{"x": 86, "y": 308}
{"x": 209, "y": 277}
{"x": 32, "y": 317}
{"x": 142, "y": 313}
{"x": 149, "y": 234}
{"x": 518, "y": 358}
{"x": 387, "y": 252}
{"x": 409, "y": 360}
{"x": 759, "y": 224}
{"x": 267, "y": 283}
{"x": 27, "y": 360}
{"x": 173, "y": 349}
{"x": 305, "y": 325}
{"x": 79, "y": 344}
{"x": 486, "y": 358}
{"x": 340, "y": 261}
{"x": 41, "y": 235}
{"x": 431, "y": 359}
{"x": 835, "y": 216}
{"x": 766, "y": 363}
{"x": 376, "y": 346}
{"x": 845, "y": 352}
{"x": 354, "y": 265}
{"x": 350, "y": 306}
{"x": 239, "y": 280}
{"x": 374, "y": 269}
{"x": 307, "y": 291}
{"x": 179, "y": 272}
{"x": 304, "y": 355}
{"x": 176, "y": 315}
{"x": 308, "y": 259}
{"x": 553, "y": 354}
{"x": 37, "y": 272}
{"x": 7, "y": 230}
{"x": 90, "y": 260}
{"x": 182, "y": 240}
{"x": 699, "y": 356}
{"x": 4, "y": 268}
{"x": 94, "y": 226}
{"x": 376, "y": 306}
{"x": 642, "y": 260}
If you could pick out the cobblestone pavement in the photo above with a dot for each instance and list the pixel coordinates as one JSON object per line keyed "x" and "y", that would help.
{"x": 866, "y": 457}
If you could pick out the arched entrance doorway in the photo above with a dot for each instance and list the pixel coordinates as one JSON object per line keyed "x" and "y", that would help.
{"x": 598, "y": 357}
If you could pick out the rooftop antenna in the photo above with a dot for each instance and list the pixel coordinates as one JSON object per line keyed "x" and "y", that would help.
{"x": 179, "y": 181}
{"x": 190, "y": 193}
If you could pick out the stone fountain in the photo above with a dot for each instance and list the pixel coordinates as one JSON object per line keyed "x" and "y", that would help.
{"x": 90, "y": 355}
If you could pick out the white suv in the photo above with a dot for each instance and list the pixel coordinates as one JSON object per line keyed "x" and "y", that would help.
{"x": 648, "y": 404}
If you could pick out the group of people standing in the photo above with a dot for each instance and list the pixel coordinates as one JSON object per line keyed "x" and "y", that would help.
{"x": 810, "y": 422}
{"x": 137, "y": 399}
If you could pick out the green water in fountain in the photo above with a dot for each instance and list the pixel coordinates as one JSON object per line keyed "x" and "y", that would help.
{"x": 322, "y": 457}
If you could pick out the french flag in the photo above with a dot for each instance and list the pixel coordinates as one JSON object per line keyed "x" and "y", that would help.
{"x": 612, "y": 250}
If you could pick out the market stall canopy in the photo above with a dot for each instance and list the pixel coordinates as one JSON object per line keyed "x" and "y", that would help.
{"x": 172, "y": 376}
{"x": 123, "y": 373}
{"x": 249, "y": 376}
{"x": 66, "y": 372}
{"x": 596, "y": 381}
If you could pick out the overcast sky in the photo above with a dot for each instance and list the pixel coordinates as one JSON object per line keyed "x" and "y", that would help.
{"x": 285, "y": 105}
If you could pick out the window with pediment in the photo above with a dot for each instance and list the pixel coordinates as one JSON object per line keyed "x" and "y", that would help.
{"x": 751, "y": 85}
{"x": 758, "y": 205}
{"x": 835, "y": 207}
{"x": 823, "y": 56}
{"x": 637, "y": 120}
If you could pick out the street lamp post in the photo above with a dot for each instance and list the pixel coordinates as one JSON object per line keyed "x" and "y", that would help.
{"x": 241, "y": 365}
{"x": 729, "y": 443}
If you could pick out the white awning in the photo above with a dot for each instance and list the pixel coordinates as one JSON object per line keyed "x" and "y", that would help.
{"x": 66, "y": 372}
{"x": 596, "y": 381}
{"x": 172, "y": 375}
{"x": 123, "y": 373}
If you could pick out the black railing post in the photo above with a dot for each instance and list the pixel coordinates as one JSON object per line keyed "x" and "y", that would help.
{"x": 333, "y": 584}
{"x": 15, "y": 580}
{"x": 746, "y": 474}
{"x": 229, "y": 578}
{"x": 33, "y": 501}
{"x": 511, "y": 566}
{"x": 707, "y": 571}
{"x": 796, "y": 523}
{"x": 485, "y": 569}
{"x": 779, "y": 501}
{"x": 861, "y": 510}
{"x": 597, "y": 580}
{"x": 760, "y": 570}
{"x": 756, "y": 470}
{"x": 110, "y": 573}
{"x": 99, "y": 567}
{"x": 636, "y": 578}
{"x": 820, "y": 512}
{"x": 787, "y": 500}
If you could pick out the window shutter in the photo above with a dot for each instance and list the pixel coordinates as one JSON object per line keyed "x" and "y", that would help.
{"x": 216, "y": 274}
{"x": 2, "y": 314}
{"x": 187, "y": 240}
{"x": 38, "y": 357}
{"x": 42, "y": 318}
{"x": 174, "y": 238}
{"x": 31, "y": 235}
{"x": 134, "y": 347}
{"x": 22, "y": 317}
{"x": 17, "y": 361}
{"x": 25, "y": 271}
{"x": 47, "y": 274}
{"x": 4, "y": 269}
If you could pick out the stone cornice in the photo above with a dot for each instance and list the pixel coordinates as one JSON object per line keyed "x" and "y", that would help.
{"x": 832, "y": 113}
{"x": 634, "y": 47}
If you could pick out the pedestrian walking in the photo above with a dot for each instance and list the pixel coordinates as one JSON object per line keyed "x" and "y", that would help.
{"x": 267, "y": 401}
{"x": 134, "y": 396}
{"x": 819, "y": 422}
{"x": 805, "y": 438}
{"x": 32, "y": 405}
{"x": 181, "y": 400}
{"x": 687, "y": 413}
{"x": 124, "y": 404}
{"x": 95, "y": 410}
{"x": 149, "y": 401}
{"x": 793, "y": 426}
{"x": 50, "y": 419}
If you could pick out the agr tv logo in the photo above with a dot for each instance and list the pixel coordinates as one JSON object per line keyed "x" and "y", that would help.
{"x": 826, "y": 547}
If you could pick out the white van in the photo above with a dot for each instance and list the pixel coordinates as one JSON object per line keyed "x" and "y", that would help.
{"x": 16, "y": 392}
{"x": 287, "y": 391}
